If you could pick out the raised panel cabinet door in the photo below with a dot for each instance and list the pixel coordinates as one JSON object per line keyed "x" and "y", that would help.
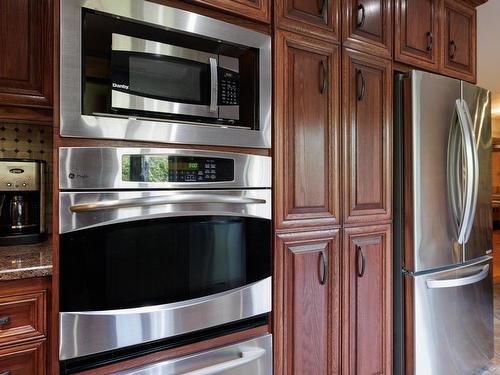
{"x": 307, "y": 94}
{"x": 259, "y": 10}
{"x": 367, "y": 301}
{"x": 459, "y": 41}
{"x": 320, "y": 18}
{"x": 26, "y": 359}
{"x": 416, "y": 37}
{"x": 310, "y": 304}
{"x": 367, "y": 26}
{"x": 367, "y": 129}
{"x": 26, "y": 50}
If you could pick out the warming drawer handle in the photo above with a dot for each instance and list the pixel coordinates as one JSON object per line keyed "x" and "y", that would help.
{"x": 453, "y": 283}
{"x": 171, "y": 199}
{"x": 246, "y": 356}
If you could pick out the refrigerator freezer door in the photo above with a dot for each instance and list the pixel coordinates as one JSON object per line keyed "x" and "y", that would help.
{"x": 479, "y": 105}
{"x": 449, "y": 317}
{"x": 430, "y": 233}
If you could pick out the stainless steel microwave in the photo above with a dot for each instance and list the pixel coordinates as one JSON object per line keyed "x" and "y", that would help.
{"x": 138, "y": 70}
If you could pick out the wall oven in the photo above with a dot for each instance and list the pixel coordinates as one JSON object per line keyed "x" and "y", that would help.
{"x": 159, "y": 248}
{"x": 138, "y": 70}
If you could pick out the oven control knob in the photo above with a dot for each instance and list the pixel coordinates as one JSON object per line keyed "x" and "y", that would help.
{"x": 24, "y": 184}
{"x": 9, "y": 184}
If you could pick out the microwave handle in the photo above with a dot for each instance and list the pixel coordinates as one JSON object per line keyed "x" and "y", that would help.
{"x": 169, "y": 199}
{"x": 214, "y": 82}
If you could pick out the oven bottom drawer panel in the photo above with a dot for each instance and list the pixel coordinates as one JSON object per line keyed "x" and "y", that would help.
{"x": 252, "y": 357}
{"x": 90, "y": 332}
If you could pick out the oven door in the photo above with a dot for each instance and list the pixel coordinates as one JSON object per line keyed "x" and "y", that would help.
{"x": 142, "y": 266}
{"x": 162, "y": 78}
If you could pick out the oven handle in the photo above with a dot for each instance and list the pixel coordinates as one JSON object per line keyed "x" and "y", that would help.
{"x": 213, "y": 84}
{"x": 170, "y": 199}
{"x": 246, "y": 356}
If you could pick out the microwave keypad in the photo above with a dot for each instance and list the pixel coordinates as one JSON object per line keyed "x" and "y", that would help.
{"x": 229, "y": 89}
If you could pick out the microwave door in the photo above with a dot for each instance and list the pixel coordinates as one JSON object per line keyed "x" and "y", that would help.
{"x": 161, "y": 78}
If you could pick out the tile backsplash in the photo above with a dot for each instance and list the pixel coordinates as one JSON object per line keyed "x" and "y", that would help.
{"x": 28, "y": 141}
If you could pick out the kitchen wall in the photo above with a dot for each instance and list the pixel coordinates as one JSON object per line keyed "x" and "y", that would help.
{"x": 26, "y": 141}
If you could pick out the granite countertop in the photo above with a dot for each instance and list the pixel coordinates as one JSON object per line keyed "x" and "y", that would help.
{"x": 25, "y": 261}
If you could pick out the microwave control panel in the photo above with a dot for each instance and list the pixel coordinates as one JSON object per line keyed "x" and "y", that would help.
{"x": 229, "y": 85}
{"x": 160, "y": 168}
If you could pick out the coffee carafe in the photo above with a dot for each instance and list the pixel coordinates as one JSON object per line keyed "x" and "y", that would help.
{"x": 22, "y": 191}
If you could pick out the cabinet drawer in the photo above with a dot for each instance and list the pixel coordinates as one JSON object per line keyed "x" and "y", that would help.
{"x": 23, "y": 359}
{"x": 22, "y": 317}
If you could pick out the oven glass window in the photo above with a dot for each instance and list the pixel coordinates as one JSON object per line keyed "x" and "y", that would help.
{"x": 182, "y": 81}
{"x": 158, "y": 261}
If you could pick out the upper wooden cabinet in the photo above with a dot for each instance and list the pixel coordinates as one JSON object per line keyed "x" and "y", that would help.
{"x": 367, "y": 301}
{"x": 307, "y": 91}
{"x": 26, "y": 50}
{"x": 311, "y": 305}
{"x": 367, "y": 129}
{"x": 367, "y": 26}
{"x": 259, "y": 10}
{"x": 416, "y": 39}
{"x": 459, "y": 41}
{"x": 310, "y": 17}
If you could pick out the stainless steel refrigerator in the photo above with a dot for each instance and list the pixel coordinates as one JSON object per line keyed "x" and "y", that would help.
{"x": 442, "y": 226}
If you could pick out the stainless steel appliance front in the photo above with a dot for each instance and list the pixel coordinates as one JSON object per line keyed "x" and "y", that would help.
{"x": 252, "y": 357}
{"x": 75, "y": 124}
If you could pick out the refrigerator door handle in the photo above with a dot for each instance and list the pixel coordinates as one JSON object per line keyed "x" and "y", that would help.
{"x": 472, "y": 171}
{"x": 453, "y": 283}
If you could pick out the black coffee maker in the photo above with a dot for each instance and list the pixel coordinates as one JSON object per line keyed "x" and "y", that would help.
{"x": 22, "y": 201}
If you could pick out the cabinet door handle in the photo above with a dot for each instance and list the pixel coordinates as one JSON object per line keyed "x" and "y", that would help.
{"x": 429, "y": 41}
{"x": 3, "y": 322}
{"x": 322, "y": 7}
{"x": 360, "y": 79}
{"x": 453, "y": 49}
{"x": 324, "y": 80}
{"x": 323, "y": 272}
{"x": 360, "y": 255}
{"x": 361, "y": 20}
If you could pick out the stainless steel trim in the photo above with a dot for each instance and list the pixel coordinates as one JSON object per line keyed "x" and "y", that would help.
{"x": 453, "y": 283}
{"x": 171, "y": 199}
{"x": 254, "y": 203}
{"x": 74, "y": 124}
{"x": 87, "y": 168}
{"x": 84, "y": 333}
{"x": 125, "y": 100}
{"x": 252, "y": 357}
{"x": 213, "y": 85}
{"x": 130, "y": 44}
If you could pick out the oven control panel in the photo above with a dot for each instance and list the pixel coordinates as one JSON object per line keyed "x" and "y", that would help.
{"x": 169, "y": 168}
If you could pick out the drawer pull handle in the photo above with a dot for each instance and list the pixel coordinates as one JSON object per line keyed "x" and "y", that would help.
{"x": 361, "y": 254}
{"x": 322, "y": 7}
{"x": 3, "y": 322}
{"x": 361, "y": 20}
{"x": 323, "y": 273}
{"x": 429, "y": 41}
{"x": 360, "y": 78}
{"x": 324, "y": 80}
{"x": 453, "y": 49}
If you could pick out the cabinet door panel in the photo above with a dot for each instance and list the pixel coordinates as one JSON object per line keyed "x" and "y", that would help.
{"x": 417, "y": 33}
{"x": 367, "y": 134}
{"x": 459, "y": 41}
{"x": 310, "y": 302}
{"x": 310, "y": 17}
{"x": 367, "y": 26}
{"x": 255, "y": 9}
{"x": 368, "y": 301}
{"x": 26, "y": 76}
{"x": 307, "y": 91}
{"x": 23, "y": 359}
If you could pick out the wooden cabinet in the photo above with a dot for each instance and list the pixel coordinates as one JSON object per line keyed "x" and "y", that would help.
{"x": 367, "y": 26}
{"x": 26, "y": 50}
{"x": 319, "y": 18}
{"x": 310, "y": 304}
{"x": 367, "y": 129}
{"x": 27, "y": 359}
{"x": 459, "y": 41}
{"x": 259, "y": 10}
{"x": 367, "y": 301}
{"x": 307, "y": 91}
{"x": 417, "y": 33}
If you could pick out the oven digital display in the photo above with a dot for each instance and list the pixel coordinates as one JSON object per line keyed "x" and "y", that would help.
{"x": 160, "y": 168}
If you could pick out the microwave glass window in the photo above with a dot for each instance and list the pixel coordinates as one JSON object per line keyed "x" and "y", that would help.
{"x": 167, "y": 79}
{"x": 151, "y": 262}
